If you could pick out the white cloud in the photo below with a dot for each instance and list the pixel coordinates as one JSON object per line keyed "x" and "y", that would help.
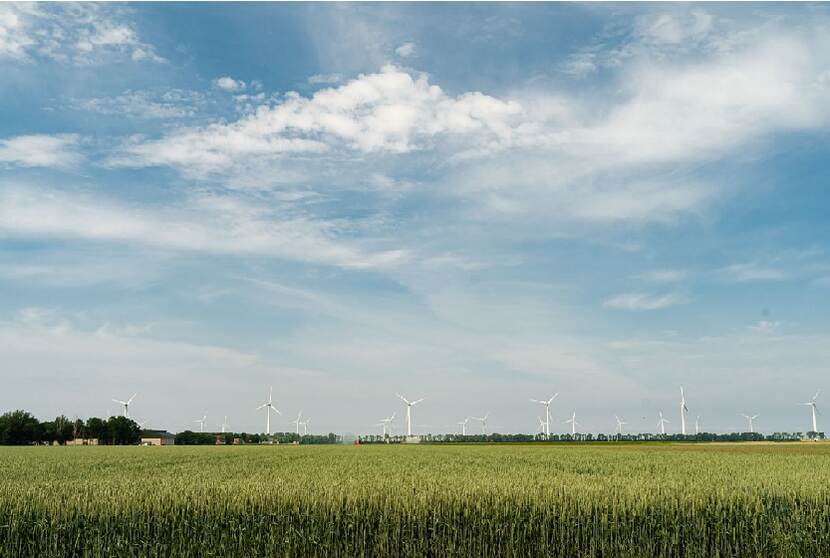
{"x": 745, "y": 272}
{"x": 227, "y": 83}
{"x": 80, "y": 33}
{"x": 643, "y": 301}
{"x": 665, "y": 275}
{"x": 406, "y": 50}
{"x": 206, "y": 224}
{"x": 325, "y": 79}
{"x": 171, "y": 104}
{"x": 40, "y": 150}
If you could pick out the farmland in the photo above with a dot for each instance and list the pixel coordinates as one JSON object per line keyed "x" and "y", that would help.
{"x": 476, "y": 500}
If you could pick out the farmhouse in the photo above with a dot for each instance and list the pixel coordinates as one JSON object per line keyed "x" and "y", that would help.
{"x": 157, "y": 438}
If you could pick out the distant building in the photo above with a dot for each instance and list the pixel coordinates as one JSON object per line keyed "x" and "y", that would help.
{"x": 82, "y": 442}
{"x": 157, "y": 438}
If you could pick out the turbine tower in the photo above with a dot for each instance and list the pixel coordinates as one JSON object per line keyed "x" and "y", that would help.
{"x": 268, "y": 406}
{"x": 683, "y": 411}
{"x": 386, "y": 424}
{"x": 662, "y": 424}
{"x": 225, "y": 425}
{"x": 697, "y": 425}
{"x": 296, "y": 422}
{"x": 463, "y": 424}
{"x": 814, "y": 409}
{"x": 483, "y": 421}
{"x": 619, "y": 425}
{"x": 201, "y": 422}
{"x": 305, "y": 426}
{"x": 573, "y": 423}
{"x": 750, "y": 419}
{"x": 409, "y": 405}
{"x": 547, "y": 403}
{"x": 126, "y": 404}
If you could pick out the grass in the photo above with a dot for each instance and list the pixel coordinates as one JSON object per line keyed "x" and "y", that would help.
{"x": 561, "y": 500}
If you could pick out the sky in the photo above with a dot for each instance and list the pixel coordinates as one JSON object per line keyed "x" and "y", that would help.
{"x": 478, "y": 204}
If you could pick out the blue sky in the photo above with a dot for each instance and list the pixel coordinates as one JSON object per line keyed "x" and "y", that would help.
{"x": 475, "y": 203}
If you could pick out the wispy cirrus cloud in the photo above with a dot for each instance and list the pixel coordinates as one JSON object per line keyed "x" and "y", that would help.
{"x": 41, "y": 150}
{"x": 644, "y": 301}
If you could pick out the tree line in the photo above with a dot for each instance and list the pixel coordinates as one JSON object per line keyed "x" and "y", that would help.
{"x": 20, "y": 428}
{"x": 190, "y": 438}
{"x": 578, "y": 437}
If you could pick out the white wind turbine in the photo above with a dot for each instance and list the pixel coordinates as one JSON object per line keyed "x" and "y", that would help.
{"x": 297, "y": 422}
{"x": 697, "y": 425}
{"x": 201, "y": 422}
{"x": 409, "y": 405}
{"x": 225, "y": 425}
{"x": 463, "y": 424}
{"x": 305, "y": 426}
{"x": 662, "y": 423}
{"x": 573, "y": 423}
{"x": 547, "y": 403}
{"x": 386, "y": 423}
{"x": 619, "y": 425}
{"x": 483, "y": 421}
{"x": 683, "y": 411}
{"x": 541, "y": 424}
{"x": 126, "y": 404}
{"x": 750, "y": 420}
{"x": 814, "y": 409}
{"x": 268, "y": 406}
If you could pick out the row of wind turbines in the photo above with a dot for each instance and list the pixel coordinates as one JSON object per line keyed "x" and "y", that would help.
{"x": 544, "y": 424}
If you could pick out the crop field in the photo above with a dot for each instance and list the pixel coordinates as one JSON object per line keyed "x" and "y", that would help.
{"x": 506, "y": 500}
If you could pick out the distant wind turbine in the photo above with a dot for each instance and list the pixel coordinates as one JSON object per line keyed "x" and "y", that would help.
{"x": 547, "y": 412}
{"x": 268, "y": 406}
{"x": 697, "y": 425}
{"x": 812, "y": 404}
{"x": 483, "y": 421}
{"x": 683, "y": 411}
{"x": 463, "y": 424}
{"x": 409, "y": 405}
{"x": 126, "y": 405}
{"x": 305, "y": 426}
{"x": 386, "y": 423}
{"x": 225, "y": 425}
{"x": 662, "y": 423}
{"x": 541, "y": 423}
{"x": 297, "y": 422}
{"x": 619, "y": 425}
{"x": 201, "y": 422}
{"x": 573, "y": 423}
{"x": 750, "y": 420}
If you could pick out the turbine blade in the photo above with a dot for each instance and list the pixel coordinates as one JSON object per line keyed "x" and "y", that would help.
{"x": 261, "y": 406}
{"x": 417, "y": 401}
{"x": 402, "y": 398}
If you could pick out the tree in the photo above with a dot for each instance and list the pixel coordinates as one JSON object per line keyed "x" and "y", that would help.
{"x": 19, "y": 428}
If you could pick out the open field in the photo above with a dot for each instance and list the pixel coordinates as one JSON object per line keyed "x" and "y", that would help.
{"x": 512, "y": 500}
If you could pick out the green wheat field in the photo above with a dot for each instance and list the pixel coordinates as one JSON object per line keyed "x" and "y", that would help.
{"x": 476, "y": 500}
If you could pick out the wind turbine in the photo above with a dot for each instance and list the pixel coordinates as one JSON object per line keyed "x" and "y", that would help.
{"x": 573, "y": 423}
{"x": 483, "y": 421}
{"x": 201, "y": 422}
{"x": 683, "y": 411}
{"x": 225, "y": 425}
{"x": 463, "y": 424}
{"x": 297, "y": 422}
{"x": 126, "y": 404}
{"x": 662, "y": 424}
{"x": 547, "y": 412}
{"x": 814, "y": 409}
{"x": 268, "y": 406}
{"x": 750, "y": 419}
{"x": 386, "y": 423}
{"x": 619, "y": 425}
{"x": 305, "y": 426}
{"x": 409, "y": 405}
{"x": 697, "y": 425}
{"x": 541, "y": 424}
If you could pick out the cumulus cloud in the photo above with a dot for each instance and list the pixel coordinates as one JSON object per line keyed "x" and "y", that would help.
{"x": 40, "y": 150}
{"x": 643, "y": 301}
{"x": 80, "y": 34}
{"x": 405, "y": 50}
{"x": 229, "y": 84}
